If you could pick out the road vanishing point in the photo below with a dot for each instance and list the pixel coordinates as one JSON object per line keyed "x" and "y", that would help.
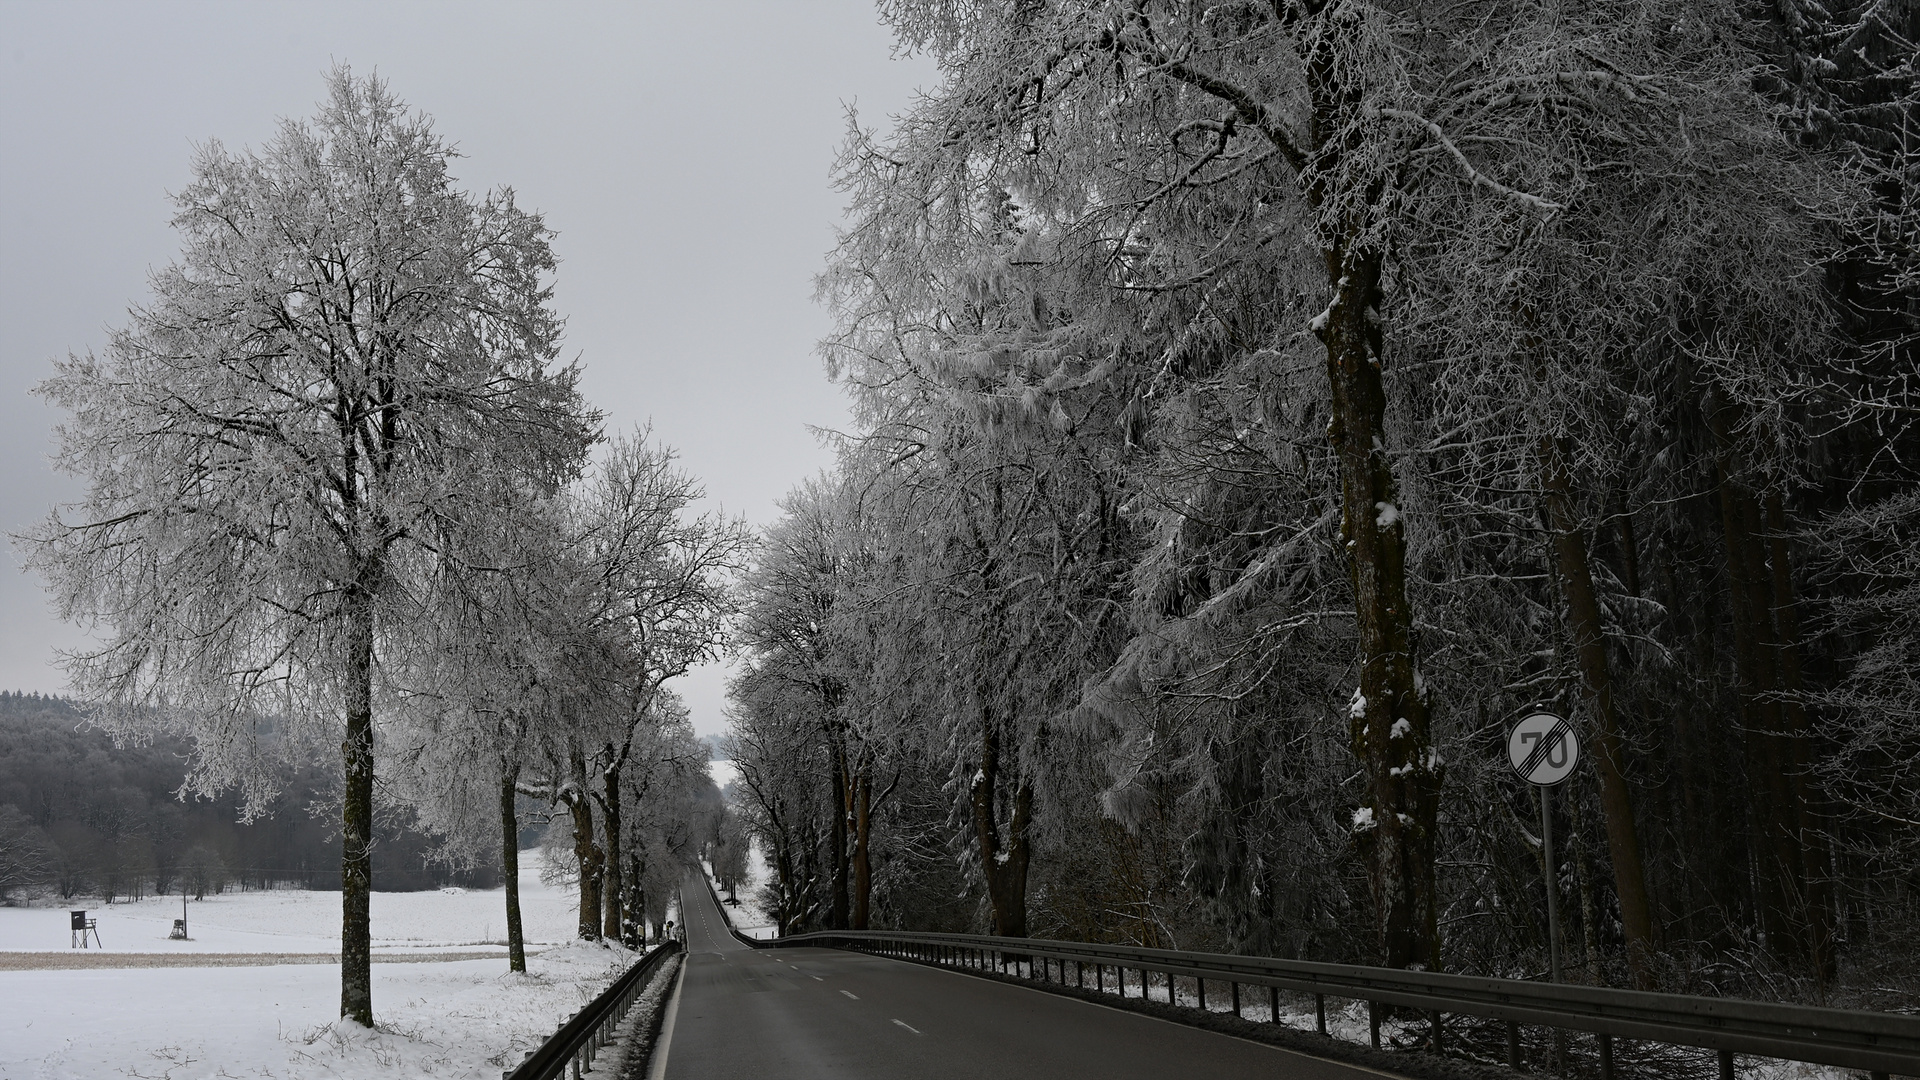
{"x": 806, "y": 1013}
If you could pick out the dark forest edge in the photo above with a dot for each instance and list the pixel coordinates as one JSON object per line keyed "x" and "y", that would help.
{"x": 1261, "y": 406}
{"x": 83, "y": 817}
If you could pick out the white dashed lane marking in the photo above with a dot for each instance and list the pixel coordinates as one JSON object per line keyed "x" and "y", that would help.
{"x": 851, "y": 994}
{"x": 908, "y": 1026}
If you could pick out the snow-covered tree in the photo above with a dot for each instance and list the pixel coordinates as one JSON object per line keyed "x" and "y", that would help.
{"x": 658, "y": 578}
{"x": 327, "y": 395}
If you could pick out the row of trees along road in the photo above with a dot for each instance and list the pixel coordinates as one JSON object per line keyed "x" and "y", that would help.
{"x": 339, "y": 496}
{"x": 1262, "y": 404}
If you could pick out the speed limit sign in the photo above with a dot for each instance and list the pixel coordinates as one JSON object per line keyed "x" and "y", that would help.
{"x": 1543, "y": 749}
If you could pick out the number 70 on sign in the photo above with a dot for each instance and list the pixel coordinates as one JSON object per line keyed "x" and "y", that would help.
{"x": 1543, "y": 749}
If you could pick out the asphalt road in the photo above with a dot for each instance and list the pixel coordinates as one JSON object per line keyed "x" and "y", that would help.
{"x": 798, "y": 1014}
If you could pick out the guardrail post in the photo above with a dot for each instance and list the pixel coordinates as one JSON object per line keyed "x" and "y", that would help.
{"x": 1200, "y": 987}
{"x": 1373, "y": 1023}
{"x": 1319, "y": 1010}
{"x": 1513, "y": 1045}
{"x": 1236, "y": 998}
{"x": 1439, "y": 1034}
{"x": 1606, "y": 1057}
{"x": 1726, "y": 1065}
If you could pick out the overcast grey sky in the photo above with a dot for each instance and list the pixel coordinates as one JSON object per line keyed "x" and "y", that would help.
{"x": 681, "y": 149}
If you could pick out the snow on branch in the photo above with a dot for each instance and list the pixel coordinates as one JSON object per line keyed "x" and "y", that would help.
{"x": 1543, "y": 207}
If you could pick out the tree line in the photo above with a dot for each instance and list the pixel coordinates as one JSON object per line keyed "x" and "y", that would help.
{"x": 82, "y": 817}
{"x": 1261, "y": 406}
{"x": 344, "y": 501}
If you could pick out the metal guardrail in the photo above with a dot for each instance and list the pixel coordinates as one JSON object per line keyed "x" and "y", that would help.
{"x": 1880, "y": 1043}
{"x": 580, "y": 1039}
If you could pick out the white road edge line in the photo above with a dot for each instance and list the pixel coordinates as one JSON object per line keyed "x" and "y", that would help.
{"x": 657, "y": 1068}
{"x": 908, "y": 1026}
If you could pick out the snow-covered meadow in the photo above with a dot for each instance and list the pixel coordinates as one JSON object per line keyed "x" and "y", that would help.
{"x": 253, "y": 992}
{"x": 745, "y": 914}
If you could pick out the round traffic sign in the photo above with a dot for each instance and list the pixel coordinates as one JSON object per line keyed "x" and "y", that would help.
{"x": 1543, "y": 749}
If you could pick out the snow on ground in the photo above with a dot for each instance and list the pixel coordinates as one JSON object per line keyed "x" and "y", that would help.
{"x": 747, "y": 916}
{"x": 465, "y": 1018}
{"x": 458, "y": 1018}
{"x": 288, "y": 920}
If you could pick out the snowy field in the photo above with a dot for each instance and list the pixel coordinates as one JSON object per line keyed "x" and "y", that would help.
{"x": 297, "y": 921}
{"x": 746, "y": 916}
{"x": 209, "y": 1007}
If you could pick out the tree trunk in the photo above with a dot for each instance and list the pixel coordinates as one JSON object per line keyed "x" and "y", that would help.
{"x": 783, "y": 869}
{"x": 586, "y": 854}
{"x": 1585, "y": 626}
{"x": 1003, "y": 865}
{"x": 510, "y": 864}
{"x": 613, "y": 891}
{"x": 862, "y": 855}
{"x": 633, "y": 913}
{"x": 356, "y": 831}
{"x": 1583, "y": 883}
{"x": 1629, "y": 546}
{"x": 1816, "y": 865}
{"x": 1395, "y": 830}
{"x": 1778, "y": 866}
{"x": 838, "y": 915}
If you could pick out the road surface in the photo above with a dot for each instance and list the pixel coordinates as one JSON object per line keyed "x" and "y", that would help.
{"x": 800, "y": 1014}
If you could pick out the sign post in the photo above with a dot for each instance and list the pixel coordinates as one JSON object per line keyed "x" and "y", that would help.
{"x": 1544, "y": 751}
